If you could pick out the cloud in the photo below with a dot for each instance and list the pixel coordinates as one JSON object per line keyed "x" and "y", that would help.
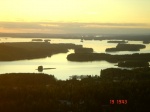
{"x": 97, "y": 25}
{"x": 63, "y": 24}
{"x": 27, "y": 25}
{"x": 73, "y": 27}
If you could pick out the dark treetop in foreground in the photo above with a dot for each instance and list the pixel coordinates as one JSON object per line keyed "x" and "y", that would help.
{"x": 28, "y": 92}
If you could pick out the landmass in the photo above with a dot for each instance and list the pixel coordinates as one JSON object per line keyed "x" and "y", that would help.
{"x": 126, "y": 47}
{"x": 30, "y": 92}
{"x": 117, "y": 41}
{"x": 47, "y": 40}
{"x": 32, "y": 50}
{"x": 83, "y": 50}
{"x": 146, "y": 42}
{"x": 38, "y": 92}
{"x": 40, "y": 68}
{"x": 37, "y": 40}
{"x": 108, "y": 57}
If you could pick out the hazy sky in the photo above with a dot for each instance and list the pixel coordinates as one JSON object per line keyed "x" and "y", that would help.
{"x": 75, "y": 16}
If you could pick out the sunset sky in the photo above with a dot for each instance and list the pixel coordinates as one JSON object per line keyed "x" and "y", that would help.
{"x": 75, "y": 16}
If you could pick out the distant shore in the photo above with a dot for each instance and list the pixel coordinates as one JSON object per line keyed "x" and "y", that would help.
{"x": 136, "y": 37}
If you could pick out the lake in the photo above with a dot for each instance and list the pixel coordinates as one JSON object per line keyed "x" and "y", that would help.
{"x": 64, "y": 68}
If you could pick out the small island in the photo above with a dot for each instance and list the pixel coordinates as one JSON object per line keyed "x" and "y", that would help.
{"x": 126, "y": 47}
{"x": 117, "y": 41}
{"x": 108, "y": 57}
{"x": 39, "y": 40}
{"x": 47, "y": 40}
{"x": 41, "y": 68}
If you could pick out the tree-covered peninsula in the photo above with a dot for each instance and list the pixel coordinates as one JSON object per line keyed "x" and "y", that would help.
{"x": 108, "y": 57}
{"x": 31, "y": 50}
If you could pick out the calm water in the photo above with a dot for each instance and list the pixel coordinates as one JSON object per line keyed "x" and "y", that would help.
{"x": 64, "y": 68}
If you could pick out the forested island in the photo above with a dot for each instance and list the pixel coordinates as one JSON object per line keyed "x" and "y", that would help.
{"x": 117, "y": 41}
{"x": 126, "y": 47}
{"x": 32, "y": 50}
{"x": 37, "y": 40}
{"x": 29, "y": 92}
{"x": 83, "y": 50}
{"x": 108, "y": 57}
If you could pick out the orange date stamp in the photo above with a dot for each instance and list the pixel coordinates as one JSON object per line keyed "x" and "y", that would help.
{"x": 119, "y": 101}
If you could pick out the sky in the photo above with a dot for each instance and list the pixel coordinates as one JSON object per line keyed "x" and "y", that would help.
{"x": 75, "y": 16}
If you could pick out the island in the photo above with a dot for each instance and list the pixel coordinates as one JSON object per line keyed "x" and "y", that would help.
{"x": 108, "y": 57}
{"x": 37, "y": 39}
{"x": 47, "y": 40}
{"x": 117, "y": 41}
{"x": 126, "y": 47}
{"x": 41, "y": 68}
{"x": 32, "y": 50}
{"x": 83, "y": 50}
